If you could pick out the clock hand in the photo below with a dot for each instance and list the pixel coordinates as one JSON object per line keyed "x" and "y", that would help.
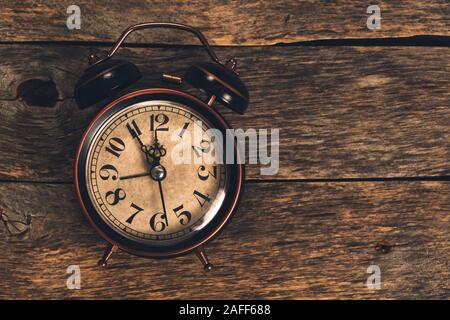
{"x": 148, "y": 157}
{"x": 140, "y": 141}
{"x": 156, "y": 150}
{"x": 138, "y": 175}
{"x": 157, "y": 171}
{"x": 163, "y": 203}
{"x": 144, "y": 148}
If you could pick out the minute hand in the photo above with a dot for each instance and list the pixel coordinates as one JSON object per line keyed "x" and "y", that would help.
{"x": 162, "y": 200}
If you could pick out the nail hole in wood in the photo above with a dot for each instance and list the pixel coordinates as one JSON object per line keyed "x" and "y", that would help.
{"x": 383, "y": 247}
{"x": 38, "y": 93}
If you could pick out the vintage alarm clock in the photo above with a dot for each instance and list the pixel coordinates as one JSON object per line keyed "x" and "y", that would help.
{"x": 130, "y": 189}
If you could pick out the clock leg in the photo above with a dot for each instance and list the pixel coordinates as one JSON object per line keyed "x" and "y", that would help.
{"x": 109, "y": 250}
{"x": 201, "y": 254}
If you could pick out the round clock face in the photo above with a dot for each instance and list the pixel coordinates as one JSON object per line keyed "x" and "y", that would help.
{"x": 149, "y": 178}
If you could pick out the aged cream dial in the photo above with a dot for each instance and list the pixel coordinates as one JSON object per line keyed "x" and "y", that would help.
{"x": 134, "y": 182}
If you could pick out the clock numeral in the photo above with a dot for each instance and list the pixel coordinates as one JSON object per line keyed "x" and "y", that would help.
{"x": 205, "y": 147}
{"x": 114, "y": 197}
{"x": 186, "y": 125}
{"x": 108, "y": 171}
{"x": 116, "y": 146}
{"x": 161, "y": 119}
{"x": 184, "y": 216}
{"x": 204, "y": 174}
{"x": 157, "y": 222}
{"x": 138, "y": 209}
{"x": 201, "y": 198}
{"x": 134, "y": 129}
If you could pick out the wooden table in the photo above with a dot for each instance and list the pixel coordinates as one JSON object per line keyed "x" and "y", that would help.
{"x": 364, "y": 149}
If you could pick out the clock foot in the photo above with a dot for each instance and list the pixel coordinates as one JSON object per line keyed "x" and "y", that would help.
{"x": 109, "y": 250}
{"x": 201, "y": 254}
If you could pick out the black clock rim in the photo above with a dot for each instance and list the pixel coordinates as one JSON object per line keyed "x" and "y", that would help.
{"x": 233, "y": 186}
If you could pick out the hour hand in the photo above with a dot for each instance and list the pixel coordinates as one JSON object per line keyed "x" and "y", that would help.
{"x": 157, "y": 151}
{"x": 145, "y": 150}
{"x": 151, "y": 157}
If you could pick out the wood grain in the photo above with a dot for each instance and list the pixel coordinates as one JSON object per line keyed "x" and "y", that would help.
{"x": 296, "y": 240}
{"x": 343, "y": 112}
{"x": 224, "y": 23}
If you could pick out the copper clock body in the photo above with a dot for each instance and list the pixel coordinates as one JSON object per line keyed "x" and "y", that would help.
{"x": 197, "y": 224}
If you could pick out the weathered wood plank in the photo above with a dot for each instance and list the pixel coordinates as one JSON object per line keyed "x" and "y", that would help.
{"x": 343, "y": 112}
{"x": 225, "y": 23}
{"x": 306, "y": 240}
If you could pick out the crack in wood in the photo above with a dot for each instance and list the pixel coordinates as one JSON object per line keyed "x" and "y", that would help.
{"x": 278, "y": 181}
{"x": 416, "y": 40}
